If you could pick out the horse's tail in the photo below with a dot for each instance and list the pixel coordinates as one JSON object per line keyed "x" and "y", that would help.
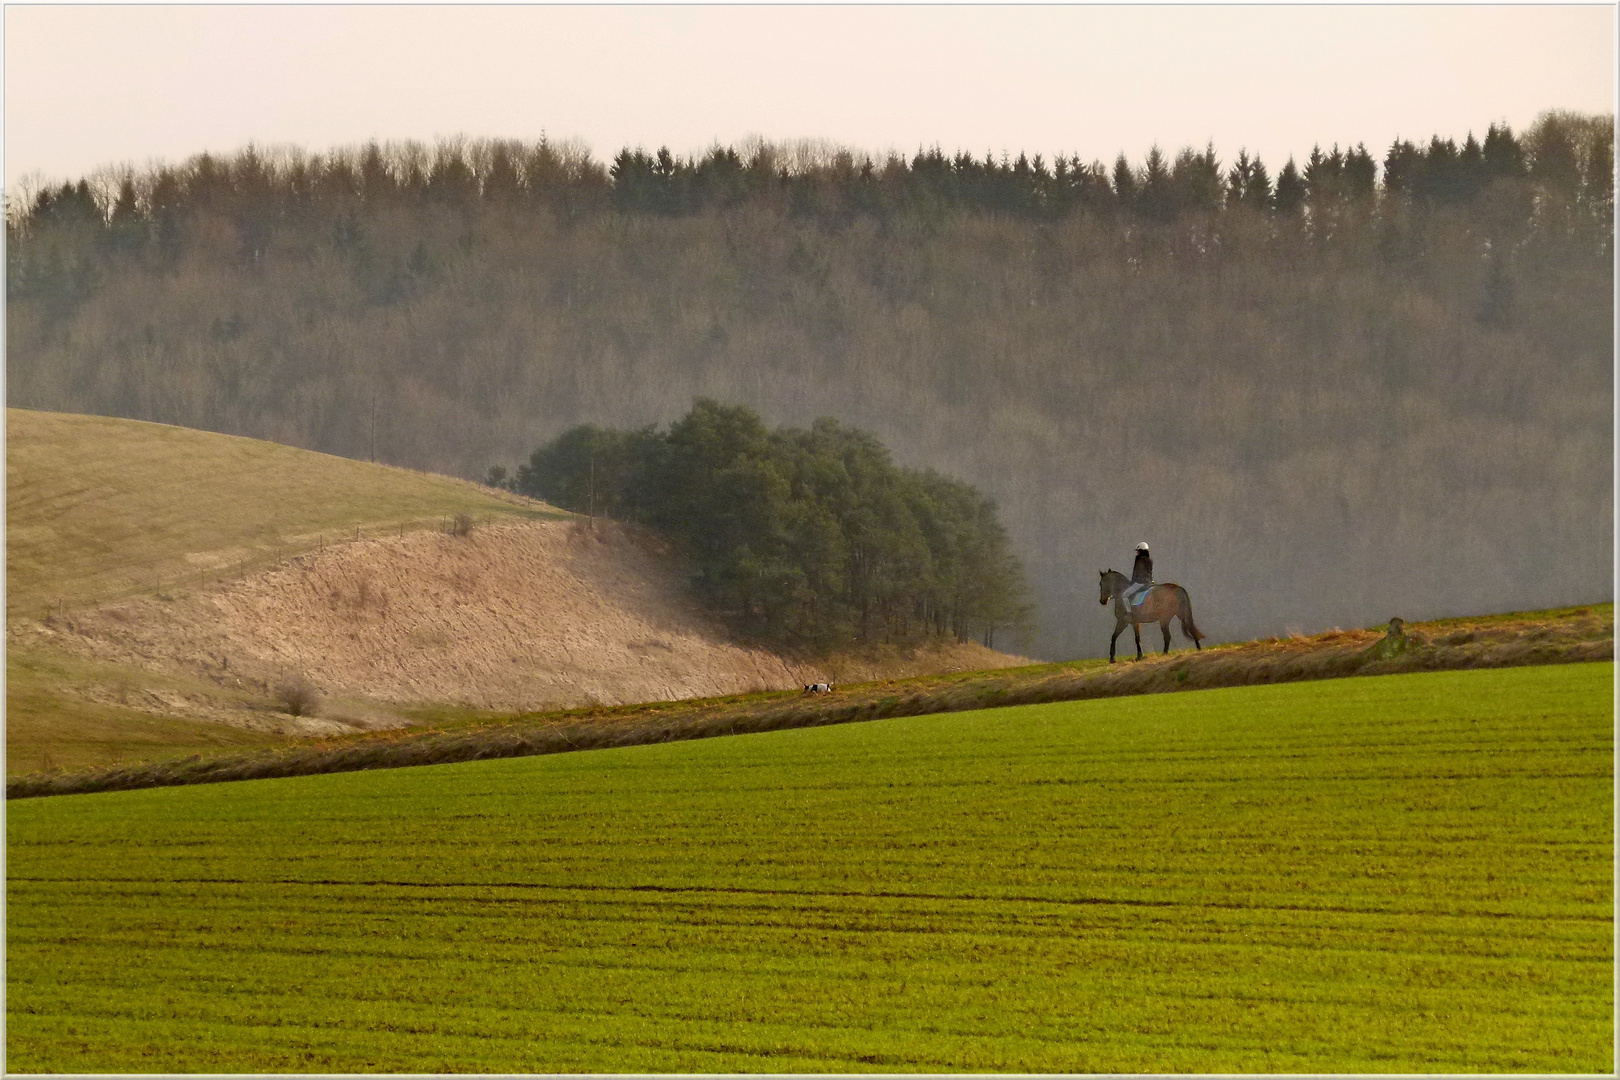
{"x": 1187, "y": 626}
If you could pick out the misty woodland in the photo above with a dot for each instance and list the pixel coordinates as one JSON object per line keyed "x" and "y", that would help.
{"x": 1353, "y": 386}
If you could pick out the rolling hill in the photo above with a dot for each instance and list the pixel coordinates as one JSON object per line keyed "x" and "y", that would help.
{"x": 99, "y": 508}
{"x": 169, "y": 591}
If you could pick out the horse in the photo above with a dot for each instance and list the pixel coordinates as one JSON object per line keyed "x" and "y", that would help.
{"x": 1161, "y": 604}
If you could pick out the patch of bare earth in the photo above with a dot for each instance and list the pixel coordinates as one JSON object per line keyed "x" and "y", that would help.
{"x": 517, "y": 616}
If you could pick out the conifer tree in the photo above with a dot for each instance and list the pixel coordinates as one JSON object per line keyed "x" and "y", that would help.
{"x": 1401, "y": 167}
{"x": 1238, "y": 178}
{"x": 1502, "y": 156}
{"x": 1196, "y": 180}
{"x": 1257, "y": 193}
{"x": 1360, "y": 174}
{"x": 125, "y": 213}
{"x": 1124, "y": 183}
{"x": 1291, "y": 189}
{"x": 1156, "y": 200}
{"x": 502, "y": 182}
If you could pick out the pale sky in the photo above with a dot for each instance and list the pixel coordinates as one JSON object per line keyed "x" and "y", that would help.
{"x": 88, "y": 85}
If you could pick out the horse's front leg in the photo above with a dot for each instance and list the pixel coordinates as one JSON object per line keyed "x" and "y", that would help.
{"x": 1137, "y": 627}
{"x": 1118, "y": 626}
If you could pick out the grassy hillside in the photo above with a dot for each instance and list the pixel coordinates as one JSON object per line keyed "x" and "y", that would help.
{"x": 1411, "y": 873}
{"x": 99, "y": 507}
{"x": 55, "y": 722}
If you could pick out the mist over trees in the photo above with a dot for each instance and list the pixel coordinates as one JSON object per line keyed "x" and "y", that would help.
{"x": 1356, "y": 385}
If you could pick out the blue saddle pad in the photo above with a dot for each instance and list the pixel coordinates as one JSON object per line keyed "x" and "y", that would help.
{"x": 1135, "y": 593}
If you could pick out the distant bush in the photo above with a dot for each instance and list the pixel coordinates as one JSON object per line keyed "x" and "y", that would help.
{"x": 461, "y": 525}
{"x": 799, "y": 538}
{"x": 297, "y": 695}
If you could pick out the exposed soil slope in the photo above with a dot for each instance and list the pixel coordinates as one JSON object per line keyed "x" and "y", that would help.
{"x": 511, "y": 616}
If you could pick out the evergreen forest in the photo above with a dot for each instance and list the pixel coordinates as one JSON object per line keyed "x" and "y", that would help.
{"x": 1355, "y": 384}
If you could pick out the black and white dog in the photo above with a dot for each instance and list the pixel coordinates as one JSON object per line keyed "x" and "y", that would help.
{"x": 818, "y": 688}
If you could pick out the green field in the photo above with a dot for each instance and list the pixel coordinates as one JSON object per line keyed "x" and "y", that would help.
{"x": 1404, "y": 873}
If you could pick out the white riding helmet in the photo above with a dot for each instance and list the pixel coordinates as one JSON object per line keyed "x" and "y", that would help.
{"x": 1142, "y": 546}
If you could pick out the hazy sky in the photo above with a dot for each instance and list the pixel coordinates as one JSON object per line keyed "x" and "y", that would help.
{"x": 87, "y": 86}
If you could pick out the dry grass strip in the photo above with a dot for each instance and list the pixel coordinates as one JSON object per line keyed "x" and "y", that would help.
{"x": 1567, "y": 636}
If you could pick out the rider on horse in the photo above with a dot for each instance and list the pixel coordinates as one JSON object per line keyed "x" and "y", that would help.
{"x": 1142, "y": 572}
{"x": 1141, "y": 576}
{"x": 1141, "y": 600}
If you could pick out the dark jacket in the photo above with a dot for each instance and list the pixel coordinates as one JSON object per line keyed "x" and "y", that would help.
{"x": 1142, "y": 572}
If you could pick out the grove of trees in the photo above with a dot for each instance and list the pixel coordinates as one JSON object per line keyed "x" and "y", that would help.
{"x": 1361, "y": 384}
{"x": 808, "y": 539}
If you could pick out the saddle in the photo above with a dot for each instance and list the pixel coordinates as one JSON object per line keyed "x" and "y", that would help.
{"x": 1134, "y": 593}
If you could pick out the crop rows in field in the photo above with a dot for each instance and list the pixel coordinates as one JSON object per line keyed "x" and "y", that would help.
{"x": 1407, "y": 873}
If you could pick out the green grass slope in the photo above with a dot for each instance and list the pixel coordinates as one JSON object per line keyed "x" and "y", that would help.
{"x": 1409, "y": 873}
{"x": 98, "y": 507}
{"x": 50, "y": 726}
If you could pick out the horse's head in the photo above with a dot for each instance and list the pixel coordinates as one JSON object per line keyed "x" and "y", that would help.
{"x": 1105, "y": 590}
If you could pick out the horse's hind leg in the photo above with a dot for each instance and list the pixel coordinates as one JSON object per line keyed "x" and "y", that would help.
{"x": 1164, "y": 628}
{"x": 1137, "y": 628}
